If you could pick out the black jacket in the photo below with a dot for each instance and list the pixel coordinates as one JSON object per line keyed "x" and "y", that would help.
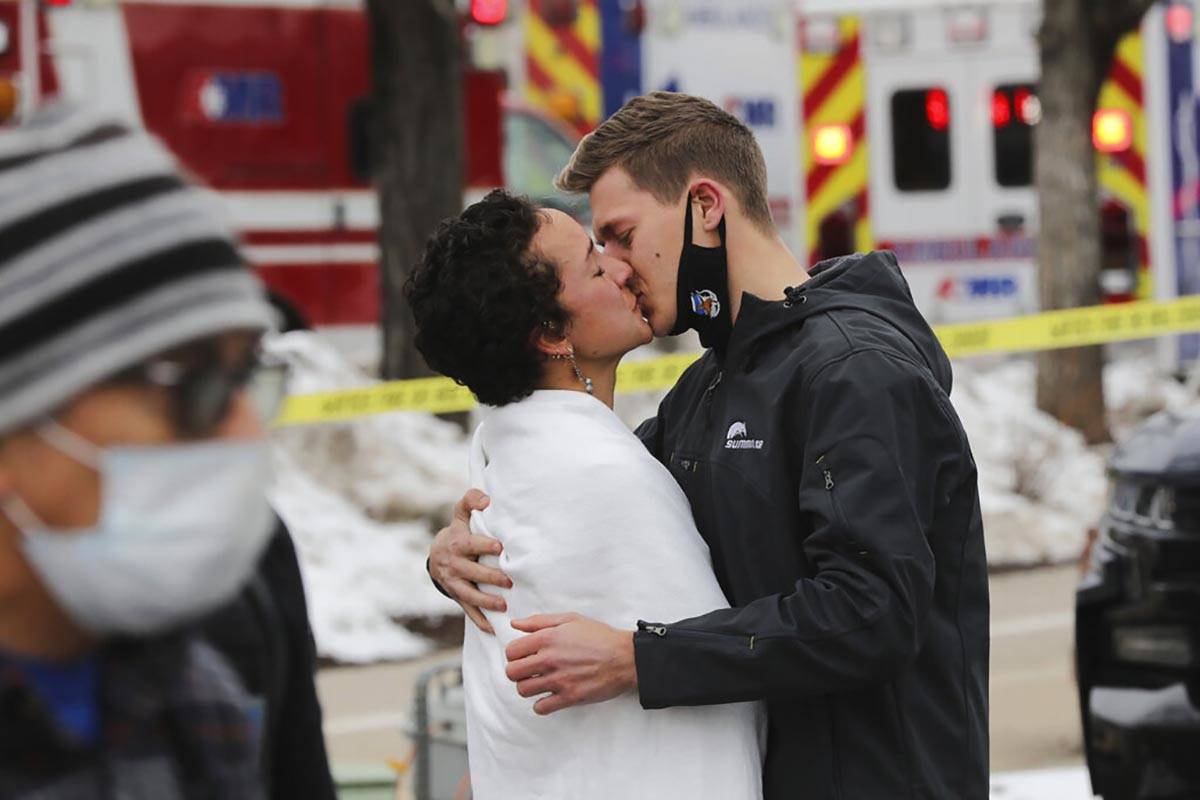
{"x": 265, "y": 635}
{"x": 836, "y": 489}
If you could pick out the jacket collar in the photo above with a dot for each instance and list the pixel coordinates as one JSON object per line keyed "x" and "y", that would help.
{"x": 871, "y": 282}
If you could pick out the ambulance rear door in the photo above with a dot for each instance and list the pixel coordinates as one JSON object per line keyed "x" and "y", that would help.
{"x": 963, "y": 238}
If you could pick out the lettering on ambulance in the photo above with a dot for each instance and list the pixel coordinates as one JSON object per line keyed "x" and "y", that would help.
{"x": 234, "y": 98}
{"x": 984, "y": 248}
{"x": 757, "y": 112}
{"x": 731, "y": 16}
{"x": 994, "y": 287}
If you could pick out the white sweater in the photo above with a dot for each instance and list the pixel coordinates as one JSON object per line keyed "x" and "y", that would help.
{"x": 592, "y": 523}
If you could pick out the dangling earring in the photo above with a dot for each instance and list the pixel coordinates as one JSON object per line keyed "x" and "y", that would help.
{"x": 586, "y": 381}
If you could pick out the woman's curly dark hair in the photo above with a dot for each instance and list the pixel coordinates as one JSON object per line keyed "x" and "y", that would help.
{"x": 479, "y": 296}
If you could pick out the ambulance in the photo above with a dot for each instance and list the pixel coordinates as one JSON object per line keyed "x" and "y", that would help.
{"x": 907, "y": 124}
{"x": 918, "y": 123}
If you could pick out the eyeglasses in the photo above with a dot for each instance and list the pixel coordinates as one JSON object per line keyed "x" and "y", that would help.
{"x": 203, "y": 394}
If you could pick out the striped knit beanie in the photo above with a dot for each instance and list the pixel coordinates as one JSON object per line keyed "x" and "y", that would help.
{"x": 108, "y": 256}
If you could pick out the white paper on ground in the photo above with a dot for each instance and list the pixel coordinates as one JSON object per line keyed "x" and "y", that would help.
{"x": 1067, "y": 783}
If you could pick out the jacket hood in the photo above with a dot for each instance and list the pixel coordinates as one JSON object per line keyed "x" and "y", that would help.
{"x": 870, "y": 282}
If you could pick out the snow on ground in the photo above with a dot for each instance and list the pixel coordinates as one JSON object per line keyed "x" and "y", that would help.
{"x": 364, "y": 498}
{"x": 1134, "y": 389}
{"x": 1041, "y": 487}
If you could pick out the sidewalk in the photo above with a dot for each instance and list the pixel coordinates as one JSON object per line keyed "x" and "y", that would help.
{"x": 367, "y": 710}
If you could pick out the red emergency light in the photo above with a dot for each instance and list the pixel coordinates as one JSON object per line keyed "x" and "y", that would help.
{"x": 1028, "y": 107}
{"x": 937, "y": 109}
{"x": 57, "y": 3}
{"x": 488, "y": 12}
{"x": 1002, "y": 112}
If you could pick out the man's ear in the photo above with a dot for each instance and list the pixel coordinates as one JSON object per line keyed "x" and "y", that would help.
{"x": 711, "y": 199}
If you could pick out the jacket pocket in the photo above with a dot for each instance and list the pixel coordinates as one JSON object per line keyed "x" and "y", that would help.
{"x": 839, "y": 516}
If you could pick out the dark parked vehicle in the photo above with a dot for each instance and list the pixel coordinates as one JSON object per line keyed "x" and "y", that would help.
{"x": 1138, "y": 618}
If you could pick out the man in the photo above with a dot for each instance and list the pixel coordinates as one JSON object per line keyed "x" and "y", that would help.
{"x": 826, "y": 469}
{"x": 133, "y": 470}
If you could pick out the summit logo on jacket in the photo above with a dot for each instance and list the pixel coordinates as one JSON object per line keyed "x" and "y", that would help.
{"x": 738, "y": 438}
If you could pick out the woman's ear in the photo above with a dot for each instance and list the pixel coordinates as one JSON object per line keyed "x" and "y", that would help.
{"x": 551, "y": 341}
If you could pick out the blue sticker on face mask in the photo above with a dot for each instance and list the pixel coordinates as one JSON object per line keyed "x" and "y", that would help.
{"x": 706, "y": 304}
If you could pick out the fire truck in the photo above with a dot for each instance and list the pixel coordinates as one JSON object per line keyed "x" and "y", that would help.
{"x": 267, "y": 102}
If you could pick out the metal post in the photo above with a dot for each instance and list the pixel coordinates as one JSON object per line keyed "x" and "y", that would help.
{"x": 31, "y": 72}
{"x": 421, "y": 734}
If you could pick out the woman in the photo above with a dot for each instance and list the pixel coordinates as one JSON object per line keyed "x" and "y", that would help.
{"x": 518, "y": 304}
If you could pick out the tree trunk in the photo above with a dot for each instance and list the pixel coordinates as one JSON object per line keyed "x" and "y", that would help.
{"x": 416, "y": 98}
{"x": 1077, "y": 42}
{"x": 1069, "y": 382}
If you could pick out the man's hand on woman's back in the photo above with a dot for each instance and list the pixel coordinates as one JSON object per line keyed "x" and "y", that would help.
{"x": 454, "y": 562}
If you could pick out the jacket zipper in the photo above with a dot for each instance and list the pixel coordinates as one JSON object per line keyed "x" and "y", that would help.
{"x": 828, "y": 474}
{"x": 837, "y": 507}
{"x": 708, "y": 400}
{"x": 690, "y": 465}
{"x": 661, "y": 631}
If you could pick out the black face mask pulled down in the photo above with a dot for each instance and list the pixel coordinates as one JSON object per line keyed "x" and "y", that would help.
{"x": 702, "y": 288}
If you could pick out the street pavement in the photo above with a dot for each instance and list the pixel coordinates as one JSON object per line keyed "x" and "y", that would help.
{"x": 1035, "y": 747}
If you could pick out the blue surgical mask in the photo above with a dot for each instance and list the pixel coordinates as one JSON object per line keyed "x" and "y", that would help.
{"x": 180, "y": 530}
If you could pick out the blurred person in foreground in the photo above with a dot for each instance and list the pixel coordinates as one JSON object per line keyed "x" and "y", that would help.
{"x": 827, "y": 471}
{"x": 133, "y": 470}
{"x": 519, "y": 304}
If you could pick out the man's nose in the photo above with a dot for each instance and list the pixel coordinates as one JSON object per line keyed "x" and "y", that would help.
{"x": 619, "y": 271}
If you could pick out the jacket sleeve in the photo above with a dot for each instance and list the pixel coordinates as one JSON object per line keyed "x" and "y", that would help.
{"x": 300, "y": 765}
{"x": 880, "y": 448}
{"x": 650, "y": 434}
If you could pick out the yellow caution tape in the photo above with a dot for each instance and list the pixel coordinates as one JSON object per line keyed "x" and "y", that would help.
{"x": 1073, "y": 327}
{"x": 444, "y": 396}
{"x": 434, "y": 395}
{"x": 1076, "y": 327}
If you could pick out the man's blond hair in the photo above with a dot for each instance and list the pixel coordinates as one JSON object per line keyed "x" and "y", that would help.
{"x": 662, "y": 139}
